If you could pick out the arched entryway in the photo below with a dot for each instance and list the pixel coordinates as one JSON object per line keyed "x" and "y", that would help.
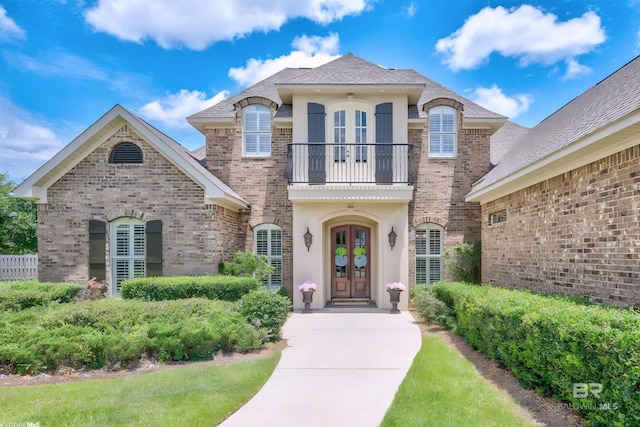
{"x": 350, "y": 253}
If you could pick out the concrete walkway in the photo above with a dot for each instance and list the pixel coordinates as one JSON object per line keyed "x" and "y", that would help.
{"x": 339, "y": 369}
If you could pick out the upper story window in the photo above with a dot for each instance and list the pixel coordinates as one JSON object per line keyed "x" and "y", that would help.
{"x": 126, "y": 152}
{"x": 442, "y": 131}
{"x": 256, "y": 130}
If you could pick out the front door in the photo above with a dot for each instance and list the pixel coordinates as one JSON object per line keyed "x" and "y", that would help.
{"x": 350, "y": 260}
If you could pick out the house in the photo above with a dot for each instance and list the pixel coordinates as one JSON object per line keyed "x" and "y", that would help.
{"x": 561, "y": 211}
{"x": 305, "y": 166}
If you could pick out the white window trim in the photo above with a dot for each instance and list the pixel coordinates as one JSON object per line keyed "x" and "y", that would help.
{"x": 498, "y": 218}
{"x": 442, "y": 109}
{"x": 269, "y": 284}
{"x": 428, "y": 256}
{"x": 258, "y": 153}
{"x": 132, "y": 257}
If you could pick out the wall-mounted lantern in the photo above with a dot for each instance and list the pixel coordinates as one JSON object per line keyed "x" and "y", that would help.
{"x": 308, "y": 239}
{"x": 392, "y": 238}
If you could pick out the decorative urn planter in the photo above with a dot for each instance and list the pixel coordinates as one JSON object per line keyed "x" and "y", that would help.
{"x": 307, "y": 289}
{"x": 395, "y": 289}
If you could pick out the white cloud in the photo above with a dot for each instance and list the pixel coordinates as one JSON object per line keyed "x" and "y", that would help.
{"x": 8, "y": 28}
{"x": 575, "y": 70}
{"x": 174, "y": 107}
{"x": 525, "y": 32}
{"x": 495, "y": 100}
{"x": 309, "y": 52}
{"x": 197, "y": 24}
{"x": 411, "y": 9}
{"x": 26, "y": 141}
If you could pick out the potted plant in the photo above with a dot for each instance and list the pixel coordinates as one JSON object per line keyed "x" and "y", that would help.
{"x": 394, "y": 289}
{"x": 341, "y": 256}
{"x": 360, "y": 256}
{"x": 307, "y": 289}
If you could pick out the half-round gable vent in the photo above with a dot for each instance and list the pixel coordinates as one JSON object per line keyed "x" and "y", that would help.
{"x": 126, "y": 153}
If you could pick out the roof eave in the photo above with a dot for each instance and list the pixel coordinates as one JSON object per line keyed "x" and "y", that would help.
{"x": 608, "y": 140}
{"x": 286, "y": 90}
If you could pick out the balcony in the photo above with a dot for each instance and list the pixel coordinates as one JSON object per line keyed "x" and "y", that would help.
{"x": 319, "y": 164}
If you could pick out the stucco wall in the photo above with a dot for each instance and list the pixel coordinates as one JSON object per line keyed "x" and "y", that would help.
{"x": 195, "y": 236}
{"x": 577, "y": 233}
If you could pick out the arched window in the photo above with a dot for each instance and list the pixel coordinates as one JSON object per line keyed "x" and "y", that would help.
{"x": 127, "y": 251}
{"x": 267, "y": 240}
{"x": 256, "y": 130}
{"x": 442, "y": 131}
{"x": 126, "y": 152}
{"x": 429, "y": 248}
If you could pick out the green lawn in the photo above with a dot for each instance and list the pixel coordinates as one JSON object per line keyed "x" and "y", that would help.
{"x": 193, "y": 395}
{"x": 442, "y": 388}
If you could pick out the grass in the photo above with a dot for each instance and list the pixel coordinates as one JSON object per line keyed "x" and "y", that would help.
{"x": 194, "y": 395}
{"x": 442, "y": 388}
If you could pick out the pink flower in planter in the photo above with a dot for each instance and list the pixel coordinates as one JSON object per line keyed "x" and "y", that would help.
{"x": 395, "y": 286}
{"x": 308, "y": 286}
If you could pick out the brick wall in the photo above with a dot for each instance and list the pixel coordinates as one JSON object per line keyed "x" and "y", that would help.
{"x": 441, "y": 186}
{"x": 577, "y": 233}
{"x": 259, "y": 180}
{"x": 195, "y": 236}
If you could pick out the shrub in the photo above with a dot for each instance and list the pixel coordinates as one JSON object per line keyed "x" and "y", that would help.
{"x": 283, "y": 291}
{"x": 115, "y": 333}
{"x": 463, "y": 262}
{"x": 247, "y": 264}
{"x": 226, "y": 288}
{"x": 30, "y": 293}
{"x": 551, "y": 344}
{"x": 266, "y": 311}
{"x": 429, "y": 307}
{"x": 92, "y": 291}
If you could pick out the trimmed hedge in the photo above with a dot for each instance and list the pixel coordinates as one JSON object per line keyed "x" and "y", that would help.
{"x": 30, "y": 293}
{"x": 115, "y": 333}
{"x": 551, "y": 344}
{"x": 429, "y": 307}
{"x": 226, "y": 288}
{"x": 267, "y": 311}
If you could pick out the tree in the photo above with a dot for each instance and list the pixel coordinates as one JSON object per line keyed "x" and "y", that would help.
{"x": 18, "y": 221}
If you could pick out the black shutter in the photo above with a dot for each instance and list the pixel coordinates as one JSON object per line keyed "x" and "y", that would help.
{"x": 153, "y": 230}
{"x": 316, "y": 135}
{"x": 97, "y": 249}
{"x": 384, "y": 139}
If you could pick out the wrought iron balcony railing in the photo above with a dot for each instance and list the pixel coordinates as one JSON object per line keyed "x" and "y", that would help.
{"x": 326, "y": 163}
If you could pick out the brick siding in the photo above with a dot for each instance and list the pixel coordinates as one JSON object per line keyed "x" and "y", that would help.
{"x": 575, "y": 234}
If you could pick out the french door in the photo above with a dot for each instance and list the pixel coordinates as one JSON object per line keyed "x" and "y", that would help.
{"x": 351, "y": 262}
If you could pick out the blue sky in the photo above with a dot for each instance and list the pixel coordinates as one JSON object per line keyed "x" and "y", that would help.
{"x": 64, "y": 63}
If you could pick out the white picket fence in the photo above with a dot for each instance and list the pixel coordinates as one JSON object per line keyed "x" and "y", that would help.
{"x": 16, "y": 267}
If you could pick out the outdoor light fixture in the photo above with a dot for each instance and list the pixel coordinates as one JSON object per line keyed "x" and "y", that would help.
{"x": 392, "y": 238}
{"x": 308, "y": 239}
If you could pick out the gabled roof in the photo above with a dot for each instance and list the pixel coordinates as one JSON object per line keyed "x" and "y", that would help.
{"x": 36, "y": 185}
{"x": 505, "y": 139}
{"x": 346, "y": 71}
{"x": 598, "y": 123}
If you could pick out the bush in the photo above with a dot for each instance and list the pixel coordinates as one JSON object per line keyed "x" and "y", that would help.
{"x": 92, "y": 291}
{"x": 115, "y": 333}
{"x": 429, "y": 307}
{"x": 283, "y": 291}
{"x": 247, "y": 264}
{"x": 551, "y": 344}
{"x": 266, "y": 311}
{"x": 463, "y": 262}
{"x": 226, "y": 288}
{"x": 30, "y": 293}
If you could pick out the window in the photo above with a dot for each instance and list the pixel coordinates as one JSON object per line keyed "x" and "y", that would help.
{"x": 127, "y": 251}
{"x": 256, "y": 127}
{"x": 267, "y": 240}
{"x": 429, "y": 249}
{"x": 442, "y": 132}
{"x": 126, "y": 152}
{"x": 498, "y": 218}
{"x": 350, "y": 126}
